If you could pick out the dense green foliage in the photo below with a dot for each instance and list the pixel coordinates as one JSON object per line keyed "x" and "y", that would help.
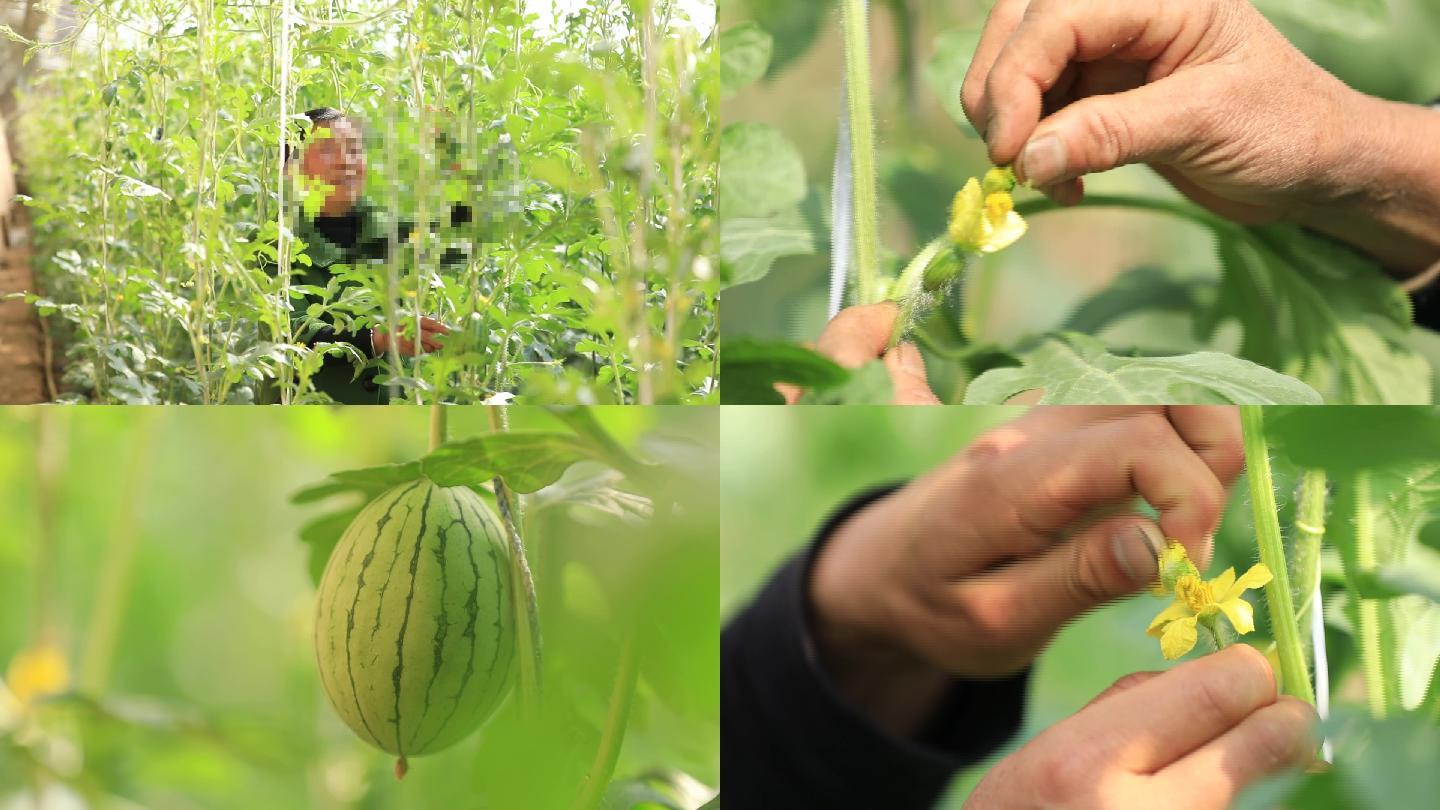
{"x": 181, "y": 600}
{"x": 580, "y": 140}
{"x": 1144, "y": 272}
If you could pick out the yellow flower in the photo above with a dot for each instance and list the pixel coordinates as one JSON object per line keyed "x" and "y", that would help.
{"x": 982, "y": 217}
{"x": 37, "y": 673}
{"x": 1199, "y": 601}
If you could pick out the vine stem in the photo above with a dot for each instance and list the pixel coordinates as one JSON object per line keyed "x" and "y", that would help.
{"x": 437, "y": 425}
{"x": 529, "y": 639}
{"x": 1294, "y": 675}
{"x": 613, "y": 733}
{"x": 1372, "y": 660}
{"x": 1305, "y": 565}
{"x": 862, "y": 150}
{"x": 907, "y": 288}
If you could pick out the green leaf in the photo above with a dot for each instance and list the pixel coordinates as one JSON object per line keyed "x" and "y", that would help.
{"x": 1075, "y": 369}
{"x": 761, "y": 173}
{"x": 945, "y": 72}
{"x": 321, "y": 535}
{"x": 527, "y": 460}
{"x": 1351, "y": 440}
{"x": 753, "y": 367}
{"x": 1148, "y": 289}
{"x": 750, "y": 247}
{"x": 1318, "y": 311}
{"x": 1351, "y": 19}
{"x": 868, "y": 385}
{"x": 744, "y": 56}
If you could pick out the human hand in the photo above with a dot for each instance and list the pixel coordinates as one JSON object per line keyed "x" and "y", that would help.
{"x": 971, "y": 569}
{"x": 860, "y": 334}
{"x": 1190, "y": 738}
{"x": 1208, "y": 92}
{"x": 1217, "y": 101}
{"x": 431, "y": 331}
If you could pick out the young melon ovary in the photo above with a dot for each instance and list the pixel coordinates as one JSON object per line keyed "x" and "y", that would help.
{"x": 415, "y": 630}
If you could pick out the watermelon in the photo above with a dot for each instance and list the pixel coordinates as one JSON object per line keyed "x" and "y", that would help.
{"x": 414, "y": 625}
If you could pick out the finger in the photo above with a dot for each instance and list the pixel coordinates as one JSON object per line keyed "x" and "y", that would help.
{"x": 1150, "y": 726}
{"x": 907, "y": 375}
{"x": 1031, "y": 496}
{"x": 1125, "y": 682}
{"x": 432, "y": 325}
{"x": 1066, "y": 192}
{"x": 1150, "y": 124}
{"x": 1051, "y": 35}
{"x": 1276, "y": 738}
{"x": 1213, "y": 432}
{"x": 431, "y": 345}
{"x": 859, "y": 334}
{"x": 1114, "y": 557}
{"x": 998, "y": 26}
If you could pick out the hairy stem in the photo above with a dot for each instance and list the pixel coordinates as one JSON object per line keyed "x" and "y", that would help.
{"x": 865, "y": 209}
{"x": 906, "y": 292}
{"x": 528, "y": 635}
{"x": 437, "y": 425}
{"x": 1372, "y": 658}
{"x": 1294, "y": 675}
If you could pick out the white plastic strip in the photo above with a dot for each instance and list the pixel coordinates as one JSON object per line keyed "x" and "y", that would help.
{"x": 842, "y": 209}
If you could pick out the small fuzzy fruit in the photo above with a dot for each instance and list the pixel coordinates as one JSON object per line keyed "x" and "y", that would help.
{"x": 414, "y": 629}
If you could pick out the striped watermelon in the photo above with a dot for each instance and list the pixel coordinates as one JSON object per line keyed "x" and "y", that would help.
{"x": 415, "y": 630}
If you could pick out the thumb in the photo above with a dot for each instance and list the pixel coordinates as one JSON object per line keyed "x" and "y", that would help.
{"x": 1096, "y": 134}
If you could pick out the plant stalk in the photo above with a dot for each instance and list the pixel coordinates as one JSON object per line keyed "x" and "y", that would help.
{"x": 612, "y": 736}
{"x": 1294, "y": 675}
{"x": 1372, "y": 658}
{"x": 907, "y": 288}
{"x": 526, "y": 604}
{"x": 865, "y": 198}
{"x": 438, "y": 426}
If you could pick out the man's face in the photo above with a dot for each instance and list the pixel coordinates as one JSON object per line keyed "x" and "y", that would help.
{"x": 335, "y": 156}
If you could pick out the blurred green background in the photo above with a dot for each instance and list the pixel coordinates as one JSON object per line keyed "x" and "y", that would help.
{"x": 163, "y": 542}
{"x": 784, "y": 470}
{"x": 1384, "y": 47}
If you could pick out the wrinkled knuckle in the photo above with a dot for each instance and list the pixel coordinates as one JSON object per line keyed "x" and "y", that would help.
{"x": 1222, "y": 697}
{"x": 1278, "y": 738}
{"x": 1150, "y": 431}
{"x": 1087, "y": 578}
{"x": 1060, "y": 778}
{"x": 988, "y": 618}
{"x": 1109, "y": 135}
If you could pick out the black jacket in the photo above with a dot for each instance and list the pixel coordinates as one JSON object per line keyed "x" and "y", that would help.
{"x": 787, "y": 738}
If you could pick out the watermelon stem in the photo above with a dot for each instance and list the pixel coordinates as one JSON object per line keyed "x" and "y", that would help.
{"x": 528, "y": 631}
{"x": 402, "y": 767}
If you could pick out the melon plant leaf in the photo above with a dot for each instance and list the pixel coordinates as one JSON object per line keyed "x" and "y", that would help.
{"x": 1351, "y": 19}
{"x": 868, "y": 385}
{"x": 1351, "y": 442}
{"x": 1074, "y": 368}
{"x": 753, "y": 367}
{"x": 744, "y": 56}
{"x": 750, "y": 246}
{"x": 1148, "y": 289}
{"x": 1316, "y": 310}
{"x": 527, "y": 460}
{"x": 761, "y": 173}
{"x": 945, "y": 72}
{"x": 321, "y": 535}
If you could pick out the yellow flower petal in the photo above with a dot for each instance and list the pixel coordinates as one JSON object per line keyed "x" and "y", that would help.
{"x": 1220, "y": 585}
{"x": 1240, "y": 614}
{"x": 1005, "y": 234}
{"x": 1177, "y": 610}
{"x": 1256, "y": 577}
{"x": 1179, "y": 638}
{"x": 967, "y": 212}
{"x": 37, "y": 673}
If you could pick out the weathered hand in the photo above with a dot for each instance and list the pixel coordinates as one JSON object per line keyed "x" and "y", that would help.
{"x": 972, "y": 568}
{"x": 1217, "y": 101}
{"x": 1190, "y": 738}
{"x": 431, "y": 331}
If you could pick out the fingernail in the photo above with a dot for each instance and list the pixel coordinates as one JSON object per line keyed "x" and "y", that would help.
{"x": 1137, "y": 549}
{"x": 1043, "y": 160}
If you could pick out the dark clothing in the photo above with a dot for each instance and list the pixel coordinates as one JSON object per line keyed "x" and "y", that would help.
{"x": 788, "y": 739}
{"x": 359, "y": 236}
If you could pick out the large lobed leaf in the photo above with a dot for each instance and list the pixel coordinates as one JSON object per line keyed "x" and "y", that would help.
{"x": 1318, "y": 311}
{"x": 1074, "y": 368}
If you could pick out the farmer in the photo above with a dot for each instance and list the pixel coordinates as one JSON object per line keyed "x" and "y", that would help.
{"x": 1215, "y": 99}
{"x": 896, "y": 650}
{"x": 348, "y": 230}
